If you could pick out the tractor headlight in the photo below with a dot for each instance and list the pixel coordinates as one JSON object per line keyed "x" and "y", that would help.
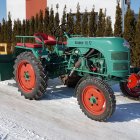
{"x": 126, "y": 44}
{"x": 76, "y": 51}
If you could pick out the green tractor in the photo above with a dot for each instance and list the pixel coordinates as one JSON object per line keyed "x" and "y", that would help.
{"x": 89, "y": 64}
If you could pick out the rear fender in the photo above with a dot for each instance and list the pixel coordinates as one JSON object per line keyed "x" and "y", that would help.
{"x": 38, "y": 52}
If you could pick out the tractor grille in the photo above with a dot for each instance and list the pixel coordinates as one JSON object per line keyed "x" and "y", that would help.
{"x": 120, "y": 66}
{"x": 119, "y": 55}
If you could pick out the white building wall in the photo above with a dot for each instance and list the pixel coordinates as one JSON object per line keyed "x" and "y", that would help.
{"x": 17, "y": 8}
{"x": 109, "y": 5}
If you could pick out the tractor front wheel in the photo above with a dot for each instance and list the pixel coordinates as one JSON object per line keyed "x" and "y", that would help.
{"x": 30, "y": 76}
{"x": 96, "y": 99}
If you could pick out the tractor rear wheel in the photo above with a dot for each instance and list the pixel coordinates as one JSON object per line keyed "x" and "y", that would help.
{"x": 130, "y": 93}
{"x": 30, "y": 76}
{"x": 96, "y": 99}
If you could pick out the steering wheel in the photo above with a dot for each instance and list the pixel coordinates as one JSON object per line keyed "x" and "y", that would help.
{"x": 61, "y": 30}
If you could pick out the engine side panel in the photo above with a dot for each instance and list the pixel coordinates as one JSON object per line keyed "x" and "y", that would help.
{"x": 116, "y": 54}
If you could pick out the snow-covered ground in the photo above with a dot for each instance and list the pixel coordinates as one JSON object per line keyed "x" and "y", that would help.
{"x": 58, "y": 117}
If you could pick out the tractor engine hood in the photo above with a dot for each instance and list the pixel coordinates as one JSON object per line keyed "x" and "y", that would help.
{"x": 100, "y": 43}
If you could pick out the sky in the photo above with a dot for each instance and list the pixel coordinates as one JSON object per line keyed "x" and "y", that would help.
{"x": 135, "y": 5}
{"x": 2, "y": 9}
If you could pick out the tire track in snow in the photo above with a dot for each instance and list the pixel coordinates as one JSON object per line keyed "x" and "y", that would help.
{"x": 9, "y": 130}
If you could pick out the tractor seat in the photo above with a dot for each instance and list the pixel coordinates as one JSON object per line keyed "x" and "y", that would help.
{"x": 29, "y": 45}
{"x": 48, "y": 39}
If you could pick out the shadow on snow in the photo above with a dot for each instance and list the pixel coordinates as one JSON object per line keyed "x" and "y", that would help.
{"x": 126, "y": 112}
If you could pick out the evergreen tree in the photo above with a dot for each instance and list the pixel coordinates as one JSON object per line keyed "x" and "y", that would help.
{"x": 9, "y": 29}
{"x": 104, "y": 21}
{"x": 51, "y": 21}
{"x": 136, "y": 50}
{"x": 85, "y": 24}
{"x": 36, "y": 23}
{"x": 64, "y": 16}
{"x": 40, "y": 22}
{"x": 129, "y": 29}
{"x": 32, "y": 26}
{"x": 101, "y": 24}
{"x": 63, "y": 21}
{"x": 23, "y": 27}
{"x": 118, "y": 22}
{"x": 0, "y": 33}
{"x": 15, "y": 31}
{"x": 70, "y": 23}
{"x": 27, "y": 28}
{"x": 4, "y": 31}
{"x": 19, "y": 27}
{"x": 46, "y": 20}
{"x": 77, "y": 28}
{"x": 56, "y": 19}
{"x": 108, "y": 27}
{"x": 92, "y": 23}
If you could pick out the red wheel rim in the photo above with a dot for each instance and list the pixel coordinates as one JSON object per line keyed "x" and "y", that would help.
{"x": 26, "y": 76}
{"x": 93, "y": 100}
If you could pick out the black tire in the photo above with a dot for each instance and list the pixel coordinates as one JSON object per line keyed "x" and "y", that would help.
{"x": 128, "y": 92}
{"x": 70, "y": 82}
{"x": 82, "y": 79}
{"x": 106, "y": 93}
{"x": 40, "y": 79}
